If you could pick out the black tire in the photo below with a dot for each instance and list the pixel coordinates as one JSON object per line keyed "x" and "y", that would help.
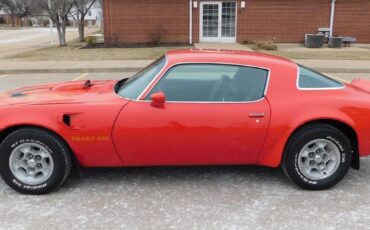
{"x": 59, "y": 152}
{"x": 303, "y": 137}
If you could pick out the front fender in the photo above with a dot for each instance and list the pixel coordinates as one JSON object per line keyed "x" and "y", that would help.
{"x": 89, "y": 136}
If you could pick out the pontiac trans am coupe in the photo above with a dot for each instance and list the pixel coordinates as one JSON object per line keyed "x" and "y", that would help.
{"x": 190, "y": 107}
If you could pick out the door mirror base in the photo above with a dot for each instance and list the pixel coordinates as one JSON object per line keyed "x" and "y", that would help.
{"x": 158, "y": 99}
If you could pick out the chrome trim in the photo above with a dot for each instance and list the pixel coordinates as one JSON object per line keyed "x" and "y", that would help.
{"x": 156, "y": 76}
{"x": 316, "y": 89}
{"x": 210, "y": 102}
{"x": 131, "y": 99}
{"x": 267, "y": 84}
{"x": 256, "y": 114}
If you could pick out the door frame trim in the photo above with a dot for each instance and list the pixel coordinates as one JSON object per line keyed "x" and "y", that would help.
{"x": 219, "y": 38}
{"x": 152, "y": 84}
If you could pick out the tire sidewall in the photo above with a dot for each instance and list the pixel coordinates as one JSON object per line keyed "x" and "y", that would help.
{"x": 54, "y": 148}
{"x": 339, "y": 140}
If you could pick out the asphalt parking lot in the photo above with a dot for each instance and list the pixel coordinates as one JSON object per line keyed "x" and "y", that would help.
{"x": 242, "y": 197}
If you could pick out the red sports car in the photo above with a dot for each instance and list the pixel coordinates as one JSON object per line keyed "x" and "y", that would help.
{"x": 190, "y": 107}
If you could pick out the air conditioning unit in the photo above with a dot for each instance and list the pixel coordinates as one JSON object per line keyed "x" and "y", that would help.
{"x": 314, "y": 40}
{"x": 335, "y": 42}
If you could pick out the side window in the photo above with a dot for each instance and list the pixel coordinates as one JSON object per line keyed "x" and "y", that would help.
{"x": 212, "y": 83}
{"x": 311, "y": 79}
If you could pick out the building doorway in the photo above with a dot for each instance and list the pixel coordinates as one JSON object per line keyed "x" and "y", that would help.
{"x": 218, "y": 21}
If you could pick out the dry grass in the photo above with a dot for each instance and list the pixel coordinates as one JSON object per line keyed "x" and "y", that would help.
{"x": 261, "y": 45}
{"x": 325, "y": 55}
{"x": 296, "y": 51}
{"x": 72, "y": 52}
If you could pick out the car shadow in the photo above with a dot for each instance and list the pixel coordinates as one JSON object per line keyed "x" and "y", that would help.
{"x": 216, "y": 176}
{"x": 178, "y": 175}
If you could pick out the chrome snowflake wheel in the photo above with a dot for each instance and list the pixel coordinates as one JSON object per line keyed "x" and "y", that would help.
{"x": 319, "y": 159}
{"x": 31, "y": 163}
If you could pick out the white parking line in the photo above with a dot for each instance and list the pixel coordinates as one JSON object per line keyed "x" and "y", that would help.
{"x": 4, "y": 76}
{"x": 80, "y": 77}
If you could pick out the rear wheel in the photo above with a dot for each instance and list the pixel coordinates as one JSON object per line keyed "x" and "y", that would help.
{"x": 34, "y": 161}
{"x": 317, "y": 157}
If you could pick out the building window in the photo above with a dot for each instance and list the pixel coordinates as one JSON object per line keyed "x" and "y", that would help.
{"x": 228, "y": 19}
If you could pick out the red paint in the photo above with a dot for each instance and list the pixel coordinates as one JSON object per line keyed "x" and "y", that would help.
{"x": 107, "y": 130}
{"x": 177, "y": 135}
{"x": 158, "y": 99}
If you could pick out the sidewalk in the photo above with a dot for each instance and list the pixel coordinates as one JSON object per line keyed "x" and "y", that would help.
{"x": 336, "y": 66}
{"x": 222, "y": 46}
{"x": 106, "y": 66}
{"x": 16, "y": 67}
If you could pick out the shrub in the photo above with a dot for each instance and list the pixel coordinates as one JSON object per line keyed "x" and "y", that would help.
{"x": 45, "y": 23}
{"x": 248, "y": 42}
{"x": 266, "y": 45}
{"x": 2, "y": 20}
{"x": 90, "y": 40}
{"x": 156, "y": 34}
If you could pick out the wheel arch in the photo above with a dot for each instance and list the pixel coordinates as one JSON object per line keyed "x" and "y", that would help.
{"x": 7, "y": 131}
{"x": 346, "y": 129}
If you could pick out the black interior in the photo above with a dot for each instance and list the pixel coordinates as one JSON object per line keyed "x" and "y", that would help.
{"x": 247, "y": 84}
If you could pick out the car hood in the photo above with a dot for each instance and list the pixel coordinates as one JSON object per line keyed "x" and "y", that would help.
{"x": 61, "y": 93}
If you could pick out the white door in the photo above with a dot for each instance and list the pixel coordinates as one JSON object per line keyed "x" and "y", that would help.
{"x": 218, "y": 22}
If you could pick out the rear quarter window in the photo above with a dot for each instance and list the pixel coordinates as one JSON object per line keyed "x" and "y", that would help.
{"x": 310, "y": 79}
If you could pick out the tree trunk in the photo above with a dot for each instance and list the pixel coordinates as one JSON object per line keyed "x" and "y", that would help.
{"x": 13, "y": 18}
{"x": 59, "y": 29}
{"x": 64, "y": 31}
{"x": 81, "y": 28}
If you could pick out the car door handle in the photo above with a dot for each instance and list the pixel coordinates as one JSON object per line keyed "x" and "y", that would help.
{"x": 256, "y": 115}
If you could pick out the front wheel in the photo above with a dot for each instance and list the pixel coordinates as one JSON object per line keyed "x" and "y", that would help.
{"x": 34, "y": 161}
{"x": 317, "y": 157}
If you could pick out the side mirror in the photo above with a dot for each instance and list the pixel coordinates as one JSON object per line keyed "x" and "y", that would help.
{"x": 158, "y": 99}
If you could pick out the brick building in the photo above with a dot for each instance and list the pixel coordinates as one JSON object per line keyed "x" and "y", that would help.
{"x": 184, "y": 21}
{"x": 8, "y": 19}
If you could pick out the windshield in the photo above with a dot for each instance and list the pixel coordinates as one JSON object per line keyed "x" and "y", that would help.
{"x": 133, "y": 87}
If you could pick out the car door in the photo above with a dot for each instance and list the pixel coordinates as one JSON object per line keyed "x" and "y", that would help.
{"x": 214, "y": 114}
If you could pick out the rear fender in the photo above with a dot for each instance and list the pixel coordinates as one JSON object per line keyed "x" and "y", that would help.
{"x": 279, "y": 135}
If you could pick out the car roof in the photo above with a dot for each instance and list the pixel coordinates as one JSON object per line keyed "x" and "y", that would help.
{"x": 227, "y": 56}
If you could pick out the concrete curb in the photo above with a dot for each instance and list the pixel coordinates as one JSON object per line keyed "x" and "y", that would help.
{"x": 119, "y": 70}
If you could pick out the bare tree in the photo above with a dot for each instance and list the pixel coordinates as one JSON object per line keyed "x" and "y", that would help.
{"x": 74, "y": 15}
{"x": 9, "y": 7}
{"x": 17, "y": 8}
{"x": 100, "y": 3}
{"x": 58, "y": 12}
{"x": 82, "y": 7}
